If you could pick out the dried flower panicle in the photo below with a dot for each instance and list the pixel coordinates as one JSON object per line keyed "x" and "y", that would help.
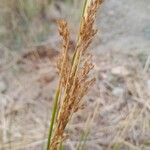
{"x": 64, "y": 33}
{"x": 87, "y": 32}
{"x": 74, "y": 74}
{"x": 63, "y": 58}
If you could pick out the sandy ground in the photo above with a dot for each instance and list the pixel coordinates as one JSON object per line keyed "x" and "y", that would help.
{"x": 120, "y": 99}
{"x": 125, "y": 25}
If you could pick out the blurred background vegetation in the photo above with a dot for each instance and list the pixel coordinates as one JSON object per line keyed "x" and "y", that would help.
{"x": 24, "y": 22}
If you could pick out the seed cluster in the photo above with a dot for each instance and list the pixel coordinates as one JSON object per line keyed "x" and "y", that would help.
{"x": 74, "y": 71}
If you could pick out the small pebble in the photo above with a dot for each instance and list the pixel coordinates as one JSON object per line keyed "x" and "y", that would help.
{"x": 120, "y": 71}
{"x": 148, "y": 84}
{"x": 3, "y": 86}
{"x": 118, "y": 91}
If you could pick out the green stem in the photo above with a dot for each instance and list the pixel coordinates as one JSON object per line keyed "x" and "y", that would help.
{"x": 78, "y": 37}
{"x": 82, "y": 15}
{"x": 54, "y": 112}
{"x": 61, "y": 146}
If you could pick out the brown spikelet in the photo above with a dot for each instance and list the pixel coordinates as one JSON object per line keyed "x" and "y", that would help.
{"x": 87, "y": 32}
{"x": 75, "y": 72}
{"x": 64, "y": 57}
{"x": 64, "y": 33}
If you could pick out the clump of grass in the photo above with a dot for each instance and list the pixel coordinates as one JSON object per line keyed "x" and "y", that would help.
{"x": 74, "y": 81}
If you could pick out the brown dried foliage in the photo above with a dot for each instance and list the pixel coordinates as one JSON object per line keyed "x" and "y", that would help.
{"x": 74, "y": 72}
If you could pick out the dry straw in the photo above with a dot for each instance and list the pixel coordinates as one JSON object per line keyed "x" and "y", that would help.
{"x": 74, "y": 72}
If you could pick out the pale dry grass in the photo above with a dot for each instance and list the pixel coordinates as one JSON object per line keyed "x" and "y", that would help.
{"x": 122, "y": 115}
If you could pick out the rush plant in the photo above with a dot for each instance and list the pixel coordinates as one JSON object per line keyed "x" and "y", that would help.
{"x": 74, "y": 78}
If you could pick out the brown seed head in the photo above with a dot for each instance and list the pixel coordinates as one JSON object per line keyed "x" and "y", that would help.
{"x": 75, "y": 77}
{"x": 87, "y": 32}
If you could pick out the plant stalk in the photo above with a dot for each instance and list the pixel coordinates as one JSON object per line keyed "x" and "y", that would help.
{"x": 54, "y": 112}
